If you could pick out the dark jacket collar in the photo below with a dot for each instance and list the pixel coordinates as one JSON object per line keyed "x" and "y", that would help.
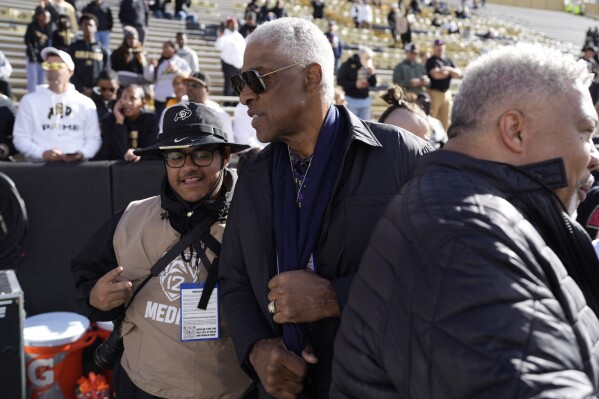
{"x": 550, "y": 174}
{"x": 358, "y": 131}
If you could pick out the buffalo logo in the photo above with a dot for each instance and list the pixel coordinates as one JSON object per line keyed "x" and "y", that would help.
{"x": 182, "y": 115}
{"x": 176, "y": 273}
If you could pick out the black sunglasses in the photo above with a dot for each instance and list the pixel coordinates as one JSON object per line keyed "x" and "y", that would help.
{"x": 201, "y": 158}
{"x": 253, "y": 79}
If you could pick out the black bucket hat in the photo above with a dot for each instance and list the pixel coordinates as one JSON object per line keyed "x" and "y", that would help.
{"x": 190, "y": 125}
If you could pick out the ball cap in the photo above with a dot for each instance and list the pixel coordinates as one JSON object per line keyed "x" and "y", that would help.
{"x": 130, "y": 31}
{"x": 411, "y": 48}
{"x": 199, "y": 77}
{"x": 439, "y": 42}
{"x": 190, "y": 125}
{"x": 65, "y": 57}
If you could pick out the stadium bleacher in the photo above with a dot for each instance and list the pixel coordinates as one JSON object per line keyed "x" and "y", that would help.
{"x": 16, "y": 14}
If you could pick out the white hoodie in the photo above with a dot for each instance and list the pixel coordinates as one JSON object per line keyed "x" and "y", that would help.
{"x": 47, "y": 120}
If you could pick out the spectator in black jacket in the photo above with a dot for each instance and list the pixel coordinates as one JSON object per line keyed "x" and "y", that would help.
{"x": 37, "y": 36}
{"x": 105, "y": 93}
{"x": 130, "y": 55}
{"x": 104, "y": 16}
{"x": 250, "y": 24}
{"x": 63, "y": 36}
{"x": 478, "y": 282}
{"x": 284, "y": 272}
{"x": 89, "y": 56}
{"x": 53, "y": 9}
{"x": 317, "y": 9}
{"x": 336, "y": 43}
{"x": 7, "y": 121}
{"x": 357, "y": 75}
{"x": 135, "y": 13}
{"x": 279, "y": 9}
{"x": 128, "y": 127}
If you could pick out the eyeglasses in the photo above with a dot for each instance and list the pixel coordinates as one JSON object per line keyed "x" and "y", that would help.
{"x": 194, "y": 85}
{"x": 253, "y": 79}
{"x": 54, "y": 66}
{"x": 200, "y": 158}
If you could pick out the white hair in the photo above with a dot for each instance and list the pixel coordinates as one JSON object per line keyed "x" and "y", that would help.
{"x": 299, "y": 41}
{"x": 512, "y": 76}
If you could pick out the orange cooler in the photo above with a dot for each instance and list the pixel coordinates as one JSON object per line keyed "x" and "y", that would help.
{"x": 53, "y": 350}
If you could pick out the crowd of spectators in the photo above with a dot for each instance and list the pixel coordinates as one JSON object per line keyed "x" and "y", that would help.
{"x": 93, "y": 106}
{"x": 162, "y": 80}
{"x": 122, "y": 82}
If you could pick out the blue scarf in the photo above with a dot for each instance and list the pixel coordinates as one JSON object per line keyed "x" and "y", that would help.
{"x": 296, "y": 230}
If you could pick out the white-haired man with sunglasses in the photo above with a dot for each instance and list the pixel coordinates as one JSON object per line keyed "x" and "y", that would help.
{"x": 175, "y": 345}
{"x": 56, "y": 123}
{"x": 303, "y": 210}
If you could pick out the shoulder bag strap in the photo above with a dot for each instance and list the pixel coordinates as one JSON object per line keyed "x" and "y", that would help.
{"x": 172, "y": 253}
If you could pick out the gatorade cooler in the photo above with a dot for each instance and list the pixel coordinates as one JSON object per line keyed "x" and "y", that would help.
{"x": 53, "y": 345}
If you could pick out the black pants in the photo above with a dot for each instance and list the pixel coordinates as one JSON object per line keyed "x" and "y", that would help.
{"x": 229, "y": 70}
{"x": 141, "y": 32}
{"x": 5, "y": 88}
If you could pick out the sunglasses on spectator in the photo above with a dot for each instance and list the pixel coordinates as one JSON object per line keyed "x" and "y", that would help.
{"x": 200, "y": 158}
{"x": 54, "y": 66}
{"x": 253, "y": 79}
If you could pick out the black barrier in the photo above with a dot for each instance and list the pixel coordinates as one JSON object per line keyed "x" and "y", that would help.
{"x": 135, "y": 181}
{"x": 66, "y": 204}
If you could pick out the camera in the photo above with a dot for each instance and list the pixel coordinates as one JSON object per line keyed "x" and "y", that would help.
{"x": 109, "y": 351}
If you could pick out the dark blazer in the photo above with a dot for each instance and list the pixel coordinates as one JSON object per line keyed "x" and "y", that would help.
{"x": 378, "y": 160}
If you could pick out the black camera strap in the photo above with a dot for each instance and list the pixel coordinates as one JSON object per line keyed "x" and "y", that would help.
{"x": 211, "y": 267}
{"x": 201, "y": 229}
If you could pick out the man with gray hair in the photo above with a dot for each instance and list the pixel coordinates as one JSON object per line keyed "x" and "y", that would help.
{"x": 477, "y": 282}
{"x": 303, "y": 210}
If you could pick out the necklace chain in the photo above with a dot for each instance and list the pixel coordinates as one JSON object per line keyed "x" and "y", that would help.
{"x": 301, "y": 186}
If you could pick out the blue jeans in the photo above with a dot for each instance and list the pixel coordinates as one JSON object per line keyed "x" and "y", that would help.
{"x": 103, "y": 37}
{"x": 162, "y": 14}
{"x": 35, "y": 75}
{"x": 183, "y": 16}
{"x": 359, "y": 106}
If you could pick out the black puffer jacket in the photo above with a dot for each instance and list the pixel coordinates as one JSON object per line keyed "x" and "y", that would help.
{"x": 464, "y": 291}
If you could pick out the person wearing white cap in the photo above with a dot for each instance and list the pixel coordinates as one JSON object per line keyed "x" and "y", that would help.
{"x": 56, "y": 122}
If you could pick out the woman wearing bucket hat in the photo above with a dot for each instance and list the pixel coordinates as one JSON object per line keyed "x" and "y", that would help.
{"x": 173, "y": 346}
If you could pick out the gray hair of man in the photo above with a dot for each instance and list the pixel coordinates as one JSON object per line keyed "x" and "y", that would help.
{"x": 514, "y": 77}
{"x": 299, "y": 41}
